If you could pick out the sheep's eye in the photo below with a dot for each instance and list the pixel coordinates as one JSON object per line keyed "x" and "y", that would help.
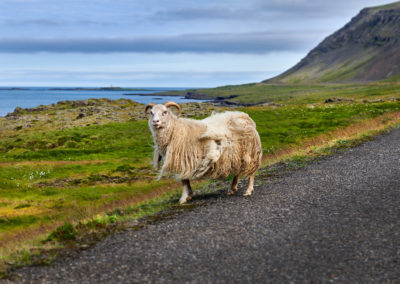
{"x": 151, "y": 113}
{"x": 164, "y": 113}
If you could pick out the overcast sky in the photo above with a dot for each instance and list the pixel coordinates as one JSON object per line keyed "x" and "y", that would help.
{"x": 178, "y": 43}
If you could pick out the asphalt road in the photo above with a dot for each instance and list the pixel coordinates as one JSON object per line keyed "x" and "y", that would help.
{"x": 335, "y": 220}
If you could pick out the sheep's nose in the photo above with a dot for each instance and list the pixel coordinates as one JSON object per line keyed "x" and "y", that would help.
{"x": 156, "y": 121}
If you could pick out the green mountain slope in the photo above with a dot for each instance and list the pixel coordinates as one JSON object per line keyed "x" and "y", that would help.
{"x": 365, "y": 49}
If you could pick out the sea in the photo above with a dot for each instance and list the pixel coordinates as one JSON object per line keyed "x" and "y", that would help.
{"x": 28, "y": 97}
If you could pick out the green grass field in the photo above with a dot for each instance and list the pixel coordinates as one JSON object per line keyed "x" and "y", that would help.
{"x": 50, "y": 176}
{"x": 300, "y": 94}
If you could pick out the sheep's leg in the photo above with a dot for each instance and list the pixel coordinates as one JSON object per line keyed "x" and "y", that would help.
{"x": 234, "y": 185}
{"x": 186, "y": 192}
{"x": 250, "y": 188}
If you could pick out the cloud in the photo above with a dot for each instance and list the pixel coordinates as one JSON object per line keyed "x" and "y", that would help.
{"x": 40, "y": 22}
{"x": 271, "y": 10}
{"x": 250, "y": 43}
{"x": 54, "y": 23}
{"x": 307, "y": 9}
{"x": 261, "y": 10}
{"x": 207, "y": 13}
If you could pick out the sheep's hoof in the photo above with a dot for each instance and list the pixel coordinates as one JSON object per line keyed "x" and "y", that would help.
{"x": 247, "y": 194}
{"x": 231, "y": 192}
{"x": 185, "y": 199}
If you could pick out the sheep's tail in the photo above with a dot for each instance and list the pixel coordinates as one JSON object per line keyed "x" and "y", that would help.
{"x": 241, "y": 150}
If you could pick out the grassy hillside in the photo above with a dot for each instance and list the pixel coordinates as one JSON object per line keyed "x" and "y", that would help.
{"x": 365, "y": 49}
{"x": 88, "y": 162}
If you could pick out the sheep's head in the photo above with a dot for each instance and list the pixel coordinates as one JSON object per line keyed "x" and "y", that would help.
{"x": 160, "y": 115}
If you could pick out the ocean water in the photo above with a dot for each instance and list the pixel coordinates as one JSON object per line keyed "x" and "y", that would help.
{"x": 28, "y": 97}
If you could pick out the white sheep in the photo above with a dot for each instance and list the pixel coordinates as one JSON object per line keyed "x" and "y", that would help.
{"x": 215, "y": 147}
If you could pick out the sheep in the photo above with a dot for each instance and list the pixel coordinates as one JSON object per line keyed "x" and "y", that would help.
{"x": 220, "y": 145}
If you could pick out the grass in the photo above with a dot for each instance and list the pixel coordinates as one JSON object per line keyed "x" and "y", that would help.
{"x": 294, "y": 94}
{"x": 282, "y": 127}
{"x": 347, "y": 72}
{"x": 93, "y": 142}
{"x": 85, "y": 175}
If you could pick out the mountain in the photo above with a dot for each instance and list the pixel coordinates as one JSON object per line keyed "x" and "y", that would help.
{"x": 366, "y": 49}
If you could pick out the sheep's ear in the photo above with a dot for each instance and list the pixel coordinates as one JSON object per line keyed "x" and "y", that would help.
{"x": 150, "y": 105}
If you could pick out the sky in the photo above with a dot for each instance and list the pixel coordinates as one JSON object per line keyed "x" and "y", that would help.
{"x": 161, "y": 43}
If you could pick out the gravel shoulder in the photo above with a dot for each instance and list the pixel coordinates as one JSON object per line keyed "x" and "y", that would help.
{"x": 335, "y": 220}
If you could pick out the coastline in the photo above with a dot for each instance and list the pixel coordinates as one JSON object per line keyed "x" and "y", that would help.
{"x": 27, "y": 98}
